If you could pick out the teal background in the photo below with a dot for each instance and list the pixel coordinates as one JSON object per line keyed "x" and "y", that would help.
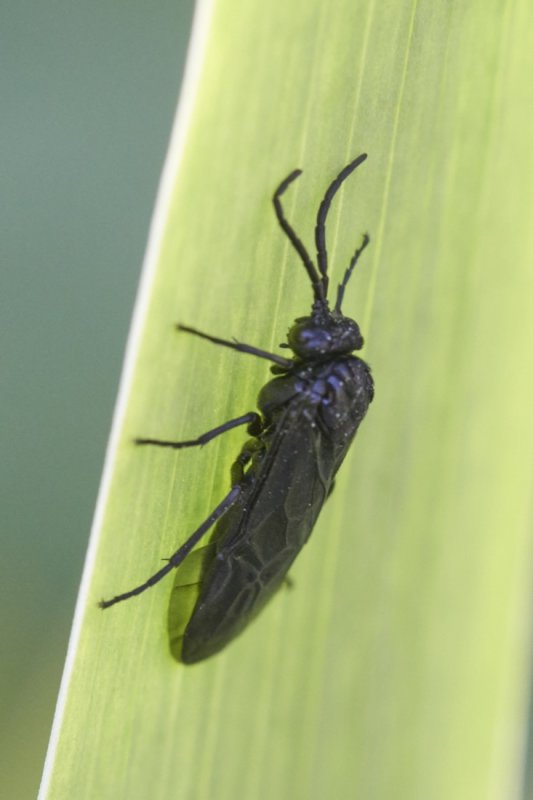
{"x": 88, "y": 97}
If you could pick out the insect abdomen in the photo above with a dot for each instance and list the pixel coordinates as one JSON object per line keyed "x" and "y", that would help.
{"x": 261, "y": 535}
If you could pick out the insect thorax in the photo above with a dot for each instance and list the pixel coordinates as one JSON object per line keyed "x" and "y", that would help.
{"x": 338, "y": 392}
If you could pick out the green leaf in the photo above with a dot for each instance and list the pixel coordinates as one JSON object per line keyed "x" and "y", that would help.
{"x": 397, "y": 667}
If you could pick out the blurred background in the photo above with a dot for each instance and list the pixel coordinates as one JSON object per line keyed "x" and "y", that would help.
{"x": 88, "y": 98}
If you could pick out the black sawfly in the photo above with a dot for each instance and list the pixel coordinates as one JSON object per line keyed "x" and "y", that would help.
{"x": 308, "y": 415}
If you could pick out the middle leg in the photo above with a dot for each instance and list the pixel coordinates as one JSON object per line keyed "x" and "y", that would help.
{"x": 252, "y": 419}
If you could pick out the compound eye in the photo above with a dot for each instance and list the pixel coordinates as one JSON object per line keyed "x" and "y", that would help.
{"x": 306, "y": 339}
{"x": 313, "y": 338}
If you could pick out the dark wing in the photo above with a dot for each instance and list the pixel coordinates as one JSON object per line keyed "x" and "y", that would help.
{"x": 261, "y": 535}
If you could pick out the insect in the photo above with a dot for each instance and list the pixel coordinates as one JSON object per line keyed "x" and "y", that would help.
{"x": 308, "y": 415}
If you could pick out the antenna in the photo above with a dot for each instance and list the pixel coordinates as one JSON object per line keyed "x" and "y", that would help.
{"x": 348, "y": 273}
{"x": 319, "y": 290}
{"x": 320, "y": 229}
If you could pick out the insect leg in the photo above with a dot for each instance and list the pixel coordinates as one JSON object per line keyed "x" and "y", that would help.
{"x": 244, "y": 457}
{"x": 252, "y": 419}
{"x": 242, "y": 348}
{"x": 181, "y": 553}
